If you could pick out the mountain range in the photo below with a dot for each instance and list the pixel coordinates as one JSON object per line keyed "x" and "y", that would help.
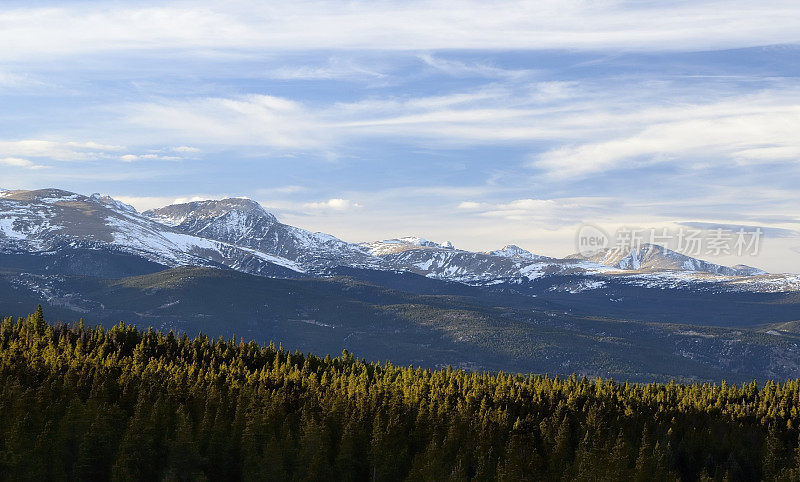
{"x": 407, "y": 299}
{"x": 238, "y": 233}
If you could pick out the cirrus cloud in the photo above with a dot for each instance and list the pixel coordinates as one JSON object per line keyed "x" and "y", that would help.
{"x": 249, "y": 26}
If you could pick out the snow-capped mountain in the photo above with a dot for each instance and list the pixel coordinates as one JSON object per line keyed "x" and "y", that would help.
{"x": 514, "y": 251}
{"x": 239, "y": 234}
{"x": 243, "y": 222}
{"x": 50, "y": 220}
{"x": 653, "y": 257}
{"x": 445, "y": 262}
{"x": 398, "y": 245}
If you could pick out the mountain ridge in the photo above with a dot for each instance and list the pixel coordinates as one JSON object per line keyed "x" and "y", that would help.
{"x": 240, "y": 234}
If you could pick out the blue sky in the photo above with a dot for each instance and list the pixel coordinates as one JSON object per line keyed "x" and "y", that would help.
{"x": 480, "y": 123}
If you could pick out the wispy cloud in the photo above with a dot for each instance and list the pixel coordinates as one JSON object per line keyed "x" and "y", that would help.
{"x": 186, "y": 149}
{"x": 251, "y": 26}
{"x": 458, "y": 68}
{"x": 335, "y": 68}
{"x": 542, "y": 212}
{"x": 62, "y": 151}
{"x": 588, "y": 133}
{"x": 251, "y": 120}
{"x": 495, "y": 114}
{"x": 744, "y": 129}
{"x": 11, "y": 80}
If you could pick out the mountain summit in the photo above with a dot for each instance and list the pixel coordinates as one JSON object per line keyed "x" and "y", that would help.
{"x": 655, "y": 257}
{"x": 240, "y": 213}
{"x": 245, "y": 223}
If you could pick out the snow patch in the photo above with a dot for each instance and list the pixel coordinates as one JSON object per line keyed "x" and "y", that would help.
{"x": 7, "y": 229}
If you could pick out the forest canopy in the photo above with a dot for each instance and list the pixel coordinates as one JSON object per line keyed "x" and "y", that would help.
{"x": 88, "y": 403}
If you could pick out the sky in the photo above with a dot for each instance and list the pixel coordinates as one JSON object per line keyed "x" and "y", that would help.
{"x": 481, "y": 123}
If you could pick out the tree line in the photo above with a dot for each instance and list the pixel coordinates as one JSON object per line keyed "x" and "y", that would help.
{"x": 88, "y": 403}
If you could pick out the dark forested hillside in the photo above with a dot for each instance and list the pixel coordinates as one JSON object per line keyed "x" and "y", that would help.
{"x": 91, "y": 404}
{"x": 410, "y": 319}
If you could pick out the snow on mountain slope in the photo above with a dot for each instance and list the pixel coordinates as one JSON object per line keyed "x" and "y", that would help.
{"x": 655, "y": 257}
{"x": 243, "y": 222}
{"x": 705, "y": 281}
{"x": 514, "y": 251}
{"x": 434, "y": 260}
{"x": 398, "y": 245}
{"x": 51, "y": 219}
{"x": 766, "y": 283}
{"x": 239, "y": 234}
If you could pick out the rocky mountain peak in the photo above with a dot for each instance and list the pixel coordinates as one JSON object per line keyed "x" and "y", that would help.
{"x": 512, "y": 251}
{"x": 238, "y": 211}
{"x": 112, "y": 203}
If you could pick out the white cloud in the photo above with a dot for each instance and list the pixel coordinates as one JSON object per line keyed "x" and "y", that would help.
{"x": 186, "y": 149}
{"x": 82, "y": 151}
{"x": 246, "y": 26}
{"x": 485, "y": 115}
{"x": 335, "y": 204}
{"x": 57, "y": 150}
{"x": 19, "y": 162}
{"x": 148, "y": 157}
{"x": 335, "y": 68}
{"x": 11, "y": 80}
{"x": 588, "y": 132}
{"x": 465, "y": 69}
{"x": 544, "y": 212}
{"x": 252, "y": 120}
{"x": 745, "y": 129}
{"x": 469, "y": 205}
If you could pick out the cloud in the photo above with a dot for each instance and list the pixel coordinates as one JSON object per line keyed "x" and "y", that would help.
{"x": 148, "y": 157}
{"x": 740, "y": 130}
{"x": 19, "y": 162}
{"x": 480, "y": 116}
{"x": 336, "y": 68}
{"x": 335, "y": 204}
{"x": 469, "y": 205}
{"x": 250, "y": 120}
{"x": 576, "y": 130}
{"x": 11, "y": 80}
{"x": 186, "y": 149}
{"x": 457, "y": 68}
{"x": 83, "y": 151}
{"x": 549, "y": 212}
{"x": 769, "y": 232}
{"x": 248, "y": 26}
{"x": 62, "y": 151}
